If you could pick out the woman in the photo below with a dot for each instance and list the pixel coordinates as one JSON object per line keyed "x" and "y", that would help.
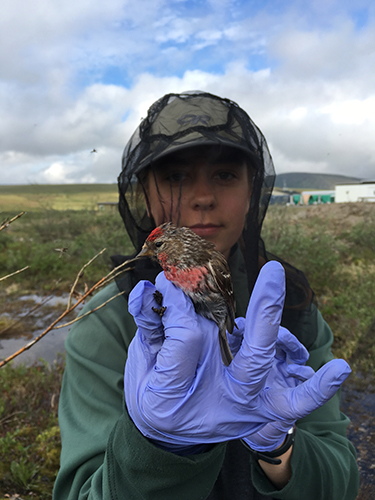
{"x": 181, "y": 424}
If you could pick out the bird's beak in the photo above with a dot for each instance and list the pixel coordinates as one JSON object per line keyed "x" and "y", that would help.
{"x": 145, "y": 252}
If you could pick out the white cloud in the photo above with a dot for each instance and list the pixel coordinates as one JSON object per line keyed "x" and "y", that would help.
{"x": 353, "y": 111}
{"x": 306, "y": 75}
{"x": 55, "y": 174}
{"x": 298, "y": 114}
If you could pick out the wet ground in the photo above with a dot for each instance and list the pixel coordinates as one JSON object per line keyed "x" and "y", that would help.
{"x": 358, "y": 392}
{"x": 30, "y": 327}
{"x": 358, "y": 402}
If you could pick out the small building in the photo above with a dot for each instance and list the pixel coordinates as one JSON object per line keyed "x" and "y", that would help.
{"x": 312, "y": 197}
{"x": 353, "y": 192}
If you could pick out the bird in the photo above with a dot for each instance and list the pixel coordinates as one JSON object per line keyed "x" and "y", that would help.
{"x": 195, "y": 266}
{"x": 61, "y": 251}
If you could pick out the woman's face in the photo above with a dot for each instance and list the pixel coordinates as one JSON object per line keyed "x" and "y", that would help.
{"x": 209, "y": 193}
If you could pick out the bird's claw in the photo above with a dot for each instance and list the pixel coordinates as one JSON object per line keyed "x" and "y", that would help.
{"x": 159, "y": 300}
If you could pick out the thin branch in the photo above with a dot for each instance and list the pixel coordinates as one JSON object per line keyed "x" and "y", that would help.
{"x": 51, "y": 326}
{"x": 89, "y": 312}
{"x": 79, "y": 275}
{"x": 6, "y": 223}
{"x": 30, "y": 311}
{"x": 13, "y": 274}
{"x": 106, "y": 279}
{"x": 114, "y": 276}
{"x": 33, "y": 309}
{"x": 117, "y": 271}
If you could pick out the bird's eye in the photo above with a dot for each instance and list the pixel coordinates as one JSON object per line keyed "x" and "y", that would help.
{"x": 158, "y": 244}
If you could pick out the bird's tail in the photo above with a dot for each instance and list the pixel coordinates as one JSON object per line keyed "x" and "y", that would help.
{"x": 224, "y": 348}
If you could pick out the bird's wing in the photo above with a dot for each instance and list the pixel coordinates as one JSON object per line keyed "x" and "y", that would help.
{"x": 220, "y": 273}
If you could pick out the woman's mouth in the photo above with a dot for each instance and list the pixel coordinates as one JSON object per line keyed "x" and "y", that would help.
{"x": 205, "y": 230}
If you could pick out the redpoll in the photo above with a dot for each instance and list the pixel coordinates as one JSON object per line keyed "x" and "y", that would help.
{"x": 194, "y": 265}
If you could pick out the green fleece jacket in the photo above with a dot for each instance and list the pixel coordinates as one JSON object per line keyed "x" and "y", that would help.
{"x": 104, "y": 456}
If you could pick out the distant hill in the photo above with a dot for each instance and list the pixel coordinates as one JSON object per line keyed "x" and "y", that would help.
{"x": 301, "y": 180}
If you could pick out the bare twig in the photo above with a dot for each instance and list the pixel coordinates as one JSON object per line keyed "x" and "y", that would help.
{"x": 79, "y": 275}
{"x": 33, "y": 309}
{"x": 48, "y": 329}
{"x": 117, "y": 271}
{"x": 29, "y": 312}
{"x": 89, "y": 312}
{"x": 105, "y": 280}
{"x": 15, "y": 272}
{"x": 6, "y": 223}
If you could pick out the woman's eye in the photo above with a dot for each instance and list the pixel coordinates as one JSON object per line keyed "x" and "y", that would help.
{"x": 176, "y": 176}
{"x": 225, "y": 176}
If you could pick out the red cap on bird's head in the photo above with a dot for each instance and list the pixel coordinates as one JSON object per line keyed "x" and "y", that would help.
{"x": 156, "y": 233}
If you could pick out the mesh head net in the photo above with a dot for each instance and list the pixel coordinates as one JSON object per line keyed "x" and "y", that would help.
{"x": 190, "y": 119}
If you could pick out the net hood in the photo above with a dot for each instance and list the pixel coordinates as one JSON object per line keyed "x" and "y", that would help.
{"x": 190, "y": 119}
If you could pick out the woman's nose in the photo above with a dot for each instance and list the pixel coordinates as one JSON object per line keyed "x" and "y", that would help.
{"x": 203, "y": 196}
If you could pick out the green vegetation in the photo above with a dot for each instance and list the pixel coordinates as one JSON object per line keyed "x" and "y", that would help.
{"x": 29, "y": 432}
{"x": 39, "y": 240}
{"x": 333, "y": 244}
{"x": 35, "y": 197}
{"x": 335, "y": 247}
{"x": 29, "y": 435}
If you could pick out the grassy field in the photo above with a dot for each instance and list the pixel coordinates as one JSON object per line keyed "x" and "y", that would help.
{"x": 36, "y": 197}
{"x": 333, "y": 244}
{"x": 37, "y": 238}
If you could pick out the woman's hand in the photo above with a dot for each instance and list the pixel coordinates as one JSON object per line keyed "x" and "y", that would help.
{"x": 177, "y": 389}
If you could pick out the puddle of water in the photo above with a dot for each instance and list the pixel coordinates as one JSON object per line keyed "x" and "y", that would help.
{"x": 53, "y": 300}
{"x": 51, "y": 344}
{"x": 47, "y": 348}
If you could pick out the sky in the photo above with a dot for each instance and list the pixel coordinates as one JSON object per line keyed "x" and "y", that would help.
{"x": 79, "y": 75}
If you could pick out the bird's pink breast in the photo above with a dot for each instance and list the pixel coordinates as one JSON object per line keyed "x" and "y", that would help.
{"x": 189, "y": 280}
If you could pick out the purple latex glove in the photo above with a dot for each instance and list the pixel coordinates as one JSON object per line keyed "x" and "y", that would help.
{"x": 177, "y": 389}
{"x": 288, "y": 371}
